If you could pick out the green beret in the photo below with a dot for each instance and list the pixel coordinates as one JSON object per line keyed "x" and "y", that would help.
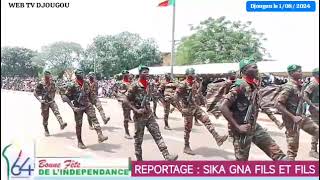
{"x": 293, "y": 68}
{"x": 125, "y": 72}
{"x": 78, "y": 72}
{"x": 142, "y": 67}
{"x": 315, "y": 71}
{"x": 245, "y": 62}
{"x": 47, "y": 73}
{"x": 190, "y": 71}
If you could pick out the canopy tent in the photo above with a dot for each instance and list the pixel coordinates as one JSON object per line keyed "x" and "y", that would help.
{"x": 272, "y": 67}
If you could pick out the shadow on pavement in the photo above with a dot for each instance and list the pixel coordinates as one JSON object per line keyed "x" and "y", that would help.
{"x": 105, "y": 146}
{"x": 110, "y": 128}
{"x": 68, "y": 135}
{"x": 212, "y": 152}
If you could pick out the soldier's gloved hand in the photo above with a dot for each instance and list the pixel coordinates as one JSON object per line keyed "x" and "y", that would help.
{"x": 244, "y": 128}
{"x": 140, "y": 111}
{"x": 297, "y": 119}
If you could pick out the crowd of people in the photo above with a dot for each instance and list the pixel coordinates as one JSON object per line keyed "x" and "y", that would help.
{"x": 239, "y": 97}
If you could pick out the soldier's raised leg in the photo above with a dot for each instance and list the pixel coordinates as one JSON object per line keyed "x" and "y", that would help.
{"x": 55, "y": 110}
{"x": 101, "y": 111}
{"x": 204, "y": 118}
{"x": 264, "y": 141}
{"x": 273, "y": 118}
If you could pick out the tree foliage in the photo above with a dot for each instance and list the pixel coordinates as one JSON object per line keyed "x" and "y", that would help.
{"x": 113, "y": 53}
{"x": 17, "y": 61}
{"x": 60, "y": 57}
{"x": 220, "y": 41}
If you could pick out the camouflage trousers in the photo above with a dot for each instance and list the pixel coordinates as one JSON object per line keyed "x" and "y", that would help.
{"x": 45, "y": 112}
{"x": 292, "y": 136}
{"x": 126, "y": 117}
{"x": 197, "y": 113}
{"x": 213, "y": 104}
{"x": 261, "y": 139}
{"x": 150, "y": 123}
{"x": 315, "y": 139}
{"x": 98, "y": 105}
{"x": 270, "y": 114}
{"x": 167, "y": 102}
{"x": 91, "y": 115}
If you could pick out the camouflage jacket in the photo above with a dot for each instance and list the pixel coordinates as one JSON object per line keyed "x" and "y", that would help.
{"x": 312, "y": 90}
{"x": 46, "y": 91}
{"x": 186, "y": 94}
{"x": 289, "y": 95}
{"x": 139, "y": 97}
{"x": 122, "y": 89}
{"x": 168, "y": 88}
{"x": 240, "y": 97}
{"x": 94, "y": 90}
{"x": 79, "y": 95}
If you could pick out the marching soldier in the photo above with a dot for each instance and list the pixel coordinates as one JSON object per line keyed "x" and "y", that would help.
{"x": 185, "y": 94}
{"x": 138, "y": 99}
{"x": 216, "y": 91}
{"x": 290, "y": 104}
{"x": 167, "y": 89}
{"x": 154, "y": 86}
{"x": 266, "y": 102}
{"x": 240, "y": 108}
{"x": 311, "y": 97}
{"x": 45, "y": 93}
{"x": 79, "y": 93}
{"x": 123, "y": 88}
{"x": 95, "y": 100}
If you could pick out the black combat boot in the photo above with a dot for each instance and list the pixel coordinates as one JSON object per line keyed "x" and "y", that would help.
{"x": 80, "y": 143}
{"x": 46, "y": 130}
{"x": 101, "y": 137}
{"x": 188, "y": 150}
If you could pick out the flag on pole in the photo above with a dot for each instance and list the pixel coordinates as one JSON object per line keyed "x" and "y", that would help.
{"x": 166, "y": 3}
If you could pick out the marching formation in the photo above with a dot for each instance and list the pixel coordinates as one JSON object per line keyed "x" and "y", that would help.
{"x": 239, "y": 100}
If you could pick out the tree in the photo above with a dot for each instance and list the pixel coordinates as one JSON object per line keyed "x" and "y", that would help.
{"x": 60, "y": 57}
{"x": 112, "y": 54}
{"x": 17, "y": 61}
{"x": 220, "y": 41}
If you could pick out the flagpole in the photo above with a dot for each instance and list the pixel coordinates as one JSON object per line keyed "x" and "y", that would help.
{"x": 173, "y": 40}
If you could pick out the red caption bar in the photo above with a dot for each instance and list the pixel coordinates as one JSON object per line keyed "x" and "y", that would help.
{"x": 225, "y": 168}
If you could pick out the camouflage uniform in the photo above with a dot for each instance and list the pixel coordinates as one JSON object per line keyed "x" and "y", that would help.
{"x": 80, "y": 94}
{"x": 168, "y": 88}
{"x": 289, "y": 97}
{"x": 47, "y": 91}
{"x": 139, "y": 98}
{"x": 312, "y": 91}
{"x": 122, "y": 92}
{"x": 239, "y": 98}
{"x": 96, "y": 102}
{"x": 267, "y": 96}
{"x": 154, "y": 86}
{"x": 185, "y": 94}
{"x": 215, "y": 93}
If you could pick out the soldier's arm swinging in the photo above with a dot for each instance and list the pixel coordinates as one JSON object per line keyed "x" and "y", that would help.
{"x": 306, "y": 98}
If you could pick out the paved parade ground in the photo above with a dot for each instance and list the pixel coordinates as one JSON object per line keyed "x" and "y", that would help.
{"x": 21, "y": 120}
